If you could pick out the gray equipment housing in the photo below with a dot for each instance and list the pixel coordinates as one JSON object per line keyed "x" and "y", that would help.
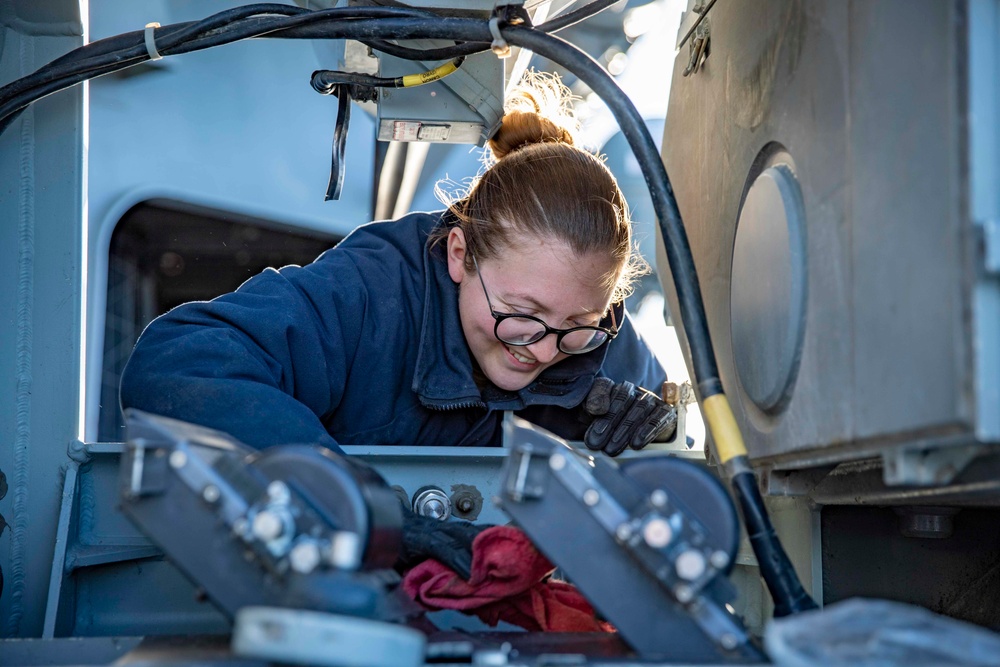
{"x": 836, "y": 165}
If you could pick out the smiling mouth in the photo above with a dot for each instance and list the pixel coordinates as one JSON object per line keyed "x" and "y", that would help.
{"x": 520, "y": 357}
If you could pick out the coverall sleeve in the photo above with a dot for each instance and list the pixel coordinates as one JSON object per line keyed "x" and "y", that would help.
{"x": 263, "y": 363}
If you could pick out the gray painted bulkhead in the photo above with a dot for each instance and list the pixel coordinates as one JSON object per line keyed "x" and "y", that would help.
{"x": 42, "y": 176}
{"x": 871, "y": 102}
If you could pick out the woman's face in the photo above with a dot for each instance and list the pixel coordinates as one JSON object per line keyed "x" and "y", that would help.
{"x": 538, "y": 277}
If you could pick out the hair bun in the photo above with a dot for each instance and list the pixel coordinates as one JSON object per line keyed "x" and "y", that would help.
{"x": 537, "y": 110}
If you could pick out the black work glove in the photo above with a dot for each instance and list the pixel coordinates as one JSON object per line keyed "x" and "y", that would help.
{"x": 447, "y": 542}
{"x": 625, "y": 416}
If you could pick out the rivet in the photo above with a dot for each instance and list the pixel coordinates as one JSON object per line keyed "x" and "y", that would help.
{"x": 178, "y": 459}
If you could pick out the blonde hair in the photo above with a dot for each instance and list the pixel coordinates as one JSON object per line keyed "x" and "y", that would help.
{"x": 539, "y": 183}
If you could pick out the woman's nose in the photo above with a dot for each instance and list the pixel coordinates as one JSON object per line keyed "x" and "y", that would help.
{"x": 544, "y": 350}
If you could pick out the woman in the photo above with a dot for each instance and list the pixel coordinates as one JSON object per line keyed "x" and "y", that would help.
{"x": 424, "y": 330}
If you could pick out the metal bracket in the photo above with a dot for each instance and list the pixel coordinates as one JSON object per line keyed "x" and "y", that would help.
{"x": 927, "y": 466}
{"x": 699, "y": 48}
{"x": 680, "y": 396}
{"x": 791, "y": 483}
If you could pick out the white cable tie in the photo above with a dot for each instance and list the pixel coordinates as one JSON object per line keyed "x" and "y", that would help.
{"x": 151, "y": 41}
{"x": 499, "y": 46}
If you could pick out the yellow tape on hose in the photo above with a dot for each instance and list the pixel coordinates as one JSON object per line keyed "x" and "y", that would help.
{"x": 728, "y": 439}
{"x": 411, "y": 80}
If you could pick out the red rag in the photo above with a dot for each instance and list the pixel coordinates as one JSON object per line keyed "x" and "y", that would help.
{"x": 506, "y": 585}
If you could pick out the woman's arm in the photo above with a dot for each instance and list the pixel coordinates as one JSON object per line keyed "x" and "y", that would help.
{"x": 263, "y": 364}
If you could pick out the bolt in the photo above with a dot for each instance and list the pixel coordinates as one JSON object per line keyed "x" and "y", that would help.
{"x": 671, "y": 393}
{"x": 240, "y": 526}
{"x": 267, "y": 526}
{"x": 683, "y": 593}
{"x": 591, "y": 497}
{"x": 345, "y": 550}
{"x": 557, "y": 461}
{"x": 433, "y": 503}
{"x": 658, "y": 498}
{"x": 278, "y": 492}
{"x": 623, "y": 532}
{"x": 728, "y": 641}
{"x": 434, "y": 509}
{"x": 690, "y": 565}
{"x": 304, "y": 557}
{"x": 211, "y": 493}
{"x": 178, "y": 459}
{"x": 465, "y": 504}
{"x": 657, "y": 533}
{"x": 719, "y": 560}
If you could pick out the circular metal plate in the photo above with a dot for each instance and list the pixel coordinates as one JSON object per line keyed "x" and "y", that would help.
{"x": 768, "y": 288}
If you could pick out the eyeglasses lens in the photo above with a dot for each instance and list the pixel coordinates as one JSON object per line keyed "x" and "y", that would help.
{"x": 524, "y": 331}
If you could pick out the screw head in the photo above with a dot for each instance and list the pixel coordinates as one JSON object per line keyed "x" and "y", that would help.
{"x": 657, "y": 533}
{"x": 591, "y": 497}
{"x": 719, "y": 560}
{"x": 345, "y": 550}
{"x": 658, "y": 498}
{"x": 557, "y": 461}
{"x": 305, "y": 556}
{"x": 690, "y": 565}
{"x": 178, "y": 459}
{"x": 683, "y": 593}
{"x": 623, "y": 531}
{"x": 267, "y": 526}
{"x": 278, "y": 492}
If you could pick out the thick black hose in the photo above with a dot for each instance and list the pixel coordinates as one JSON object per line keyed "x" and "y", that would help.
{"x": 775, "y": 567}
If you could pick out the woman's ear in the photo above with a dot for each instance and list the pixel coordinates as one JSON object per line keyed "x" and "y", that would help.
{"x": 456, "y": 254}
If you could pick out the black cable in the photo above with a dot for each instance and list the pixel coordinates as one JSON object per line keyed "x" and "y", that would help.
{"x": 560, "y": 21}
{"x": 166, "y": 38}
{"x": 94, "y": 59}
{"x": 779, "y": 575}
{"x": 554, "y": 24}
{"x": 442, "y": 53}
{"x": 324, "y": 81}
{"x": 338, "y": 164}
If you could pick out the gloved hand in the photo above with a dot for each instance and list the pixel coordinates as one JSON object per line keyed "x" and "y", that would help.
{"x": 448, "y": 542}
{"x": 625, "y": 416}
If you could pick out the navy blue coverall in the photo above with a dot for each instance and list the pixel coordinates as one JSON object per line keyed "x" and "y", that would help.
{"x": 362, "y": 347}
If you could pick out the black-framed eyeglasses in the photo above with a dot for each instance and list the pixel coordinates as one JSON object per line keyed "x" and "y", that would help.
{"x": 520, "y": 330}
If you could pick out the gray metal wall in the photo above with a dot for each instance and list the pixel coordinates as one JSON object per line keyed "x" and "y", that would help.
{"x": 41, "y": 282}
